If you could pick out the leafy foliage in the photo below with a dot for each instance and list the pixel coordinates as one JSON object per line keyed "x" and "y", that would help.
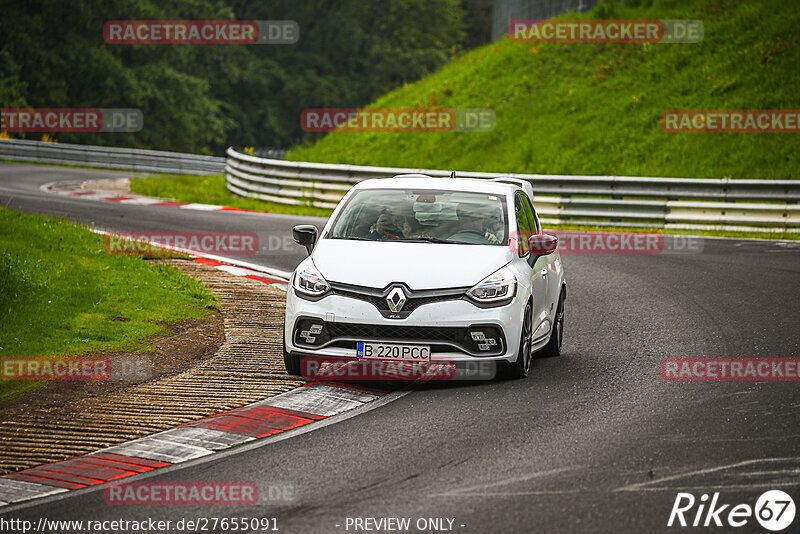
{"x": 203, "y": 98}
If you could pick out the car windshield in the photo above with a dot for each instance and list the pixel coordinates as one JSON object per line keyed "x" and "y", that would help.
{"x": 433, "y": 216}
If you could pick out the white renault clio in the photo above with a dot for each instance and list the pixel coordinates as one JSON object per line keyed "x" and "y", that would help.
{"x": 421, "y": 268}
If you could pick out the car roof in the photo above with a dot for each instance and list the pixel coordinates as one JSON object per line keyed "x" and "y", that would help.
{"x": 422, "y": 181}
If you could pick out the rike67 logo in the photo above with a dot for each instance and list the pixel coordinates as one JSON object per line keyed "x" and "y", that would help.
{"x": 774, "y": 510}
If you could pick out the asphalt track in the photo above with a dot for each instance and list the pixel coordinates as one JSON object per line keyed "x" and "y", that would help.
{"x": 593, "y": 441}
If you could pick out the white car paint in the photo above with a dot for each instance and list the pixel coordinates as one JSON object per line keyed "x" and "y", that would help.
{"x": 377, "y": 265}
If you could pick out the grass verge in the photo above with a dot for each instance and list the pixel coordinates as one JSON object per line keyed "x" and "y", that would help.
{"x": 61, "y": 294}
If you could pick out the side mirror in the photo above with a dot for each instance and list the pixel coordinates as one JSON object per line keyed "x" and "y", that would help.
{"x": 542, "y": 244}
{"x": 306, "y": 235}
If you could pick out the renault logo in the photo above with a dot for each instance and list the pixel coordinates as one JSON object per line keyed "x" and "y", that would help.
{"x": 396, "y": 299}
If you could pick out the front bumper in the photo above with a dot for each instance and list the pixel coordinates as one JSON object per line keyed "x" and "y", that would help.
{"x": 444, "y": 326}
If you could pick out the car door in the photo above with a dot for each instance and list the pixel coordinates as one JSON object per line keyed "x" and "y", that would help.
{"x": 548, "y": 266}
{"x": 530, "y": 264}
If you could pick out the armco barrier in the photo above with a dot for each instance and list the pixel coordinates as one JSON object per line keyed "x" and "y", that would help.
{"x": 746, "y": 205}
{"x": 129, "y": 159}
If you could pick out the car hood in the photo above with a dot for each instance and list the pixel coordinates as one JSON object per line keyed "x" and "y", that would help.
{"x": 377, "y": 264}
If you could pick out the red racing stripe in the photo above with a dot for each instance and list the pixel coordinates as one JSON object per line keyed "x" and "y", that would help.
{"x": 210, "y": 263}
{"x": 228, "y": 208}
{"x": 133, "y": 460}
{"x": 298, "y": 413}
{"x": 170, "y": 203}
{"x": 255, "y": 422}
{"x": 45, "y": 481}
{"x": 264, "y": 279}
{"x": 87, "y": 470}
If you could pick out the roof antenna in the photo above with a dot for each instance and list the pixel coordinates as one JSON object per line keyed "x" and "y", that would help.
{"x": 452, "y": 174}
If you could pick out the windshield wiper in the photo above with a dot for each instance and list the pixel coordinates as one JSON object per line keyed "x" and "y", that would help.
{"x": 420, "y": 239}
{"x": 424, "y": 239}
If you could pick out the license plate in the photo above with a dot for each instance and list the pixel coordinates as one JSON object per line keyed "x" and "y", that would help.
{"x": 390, "y": 351}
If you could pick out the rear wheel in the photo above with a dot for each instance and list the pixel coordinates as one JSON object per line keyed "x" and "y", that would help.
{"x": 290, "y": 361}
{"x": 521, "y": 367}
{"x": 553, "y": 347}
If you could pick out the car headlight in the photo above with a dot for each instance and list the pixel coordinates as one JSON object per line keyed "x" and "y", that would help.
{"x": 309, "y": 281}
{"x": 500, "y": 285}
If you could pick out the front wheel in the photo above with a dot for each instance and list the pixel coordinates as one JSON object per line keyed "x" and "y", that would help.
{"x": 521, "y": 367}
{"x": 290, "y": 361}
{"x": 553, "y": 347}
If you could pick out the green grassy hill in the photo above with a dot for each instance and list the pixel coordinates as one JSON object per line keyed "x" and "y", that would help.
{"x": 594, "y": 108}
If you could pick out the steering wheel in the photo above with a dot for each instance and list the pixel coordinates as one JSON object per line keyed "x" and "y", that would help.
{"x": 471, "y": 231}
{"x": 468, "y": 233}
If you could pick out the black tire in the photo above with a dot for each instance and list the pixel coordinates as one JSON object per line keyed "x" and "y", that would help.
{"x": 521, "y": 367}
{"x": 291, "y": 361}
{"x": 553, "y": 347}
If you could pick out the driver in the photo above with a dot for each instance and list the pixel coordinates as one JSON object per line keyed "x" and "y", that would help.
{"x": 385, "y": 227}
{"x": 468, "y": 221}
{"x": 400, "y": 222}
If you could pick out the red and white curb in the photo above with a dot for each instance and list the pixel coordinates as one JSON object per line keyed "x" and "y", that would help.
{"x": 301, "y": 406}
{"x": 267, "y": 275}
{"x": 298, "y": 407}
{"x": 273, "y": 277}
{"x": 77, "y": 189}
{"x": 247, "y": 273}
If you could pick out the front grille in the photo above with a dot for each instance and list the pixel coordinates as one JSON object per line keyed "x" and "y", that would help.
{"x": 414, "y": 299}
{"x": 387, "y": 332}
{"x": 440, "y": 338}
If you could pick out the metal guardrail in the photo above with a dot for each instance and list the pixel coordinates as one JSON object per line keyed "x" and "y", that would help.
{"x": 746, "y": 205}
{"x": 626, "y": 201}
{"x": 129, "y": 159}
